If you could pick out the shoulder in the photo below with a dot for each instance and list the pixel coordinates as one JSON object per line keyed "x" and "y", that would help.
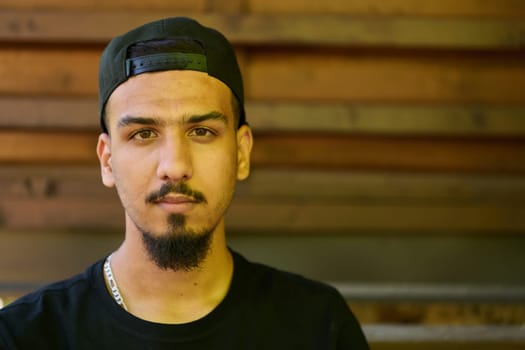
{"x": 286, "y": 286}
{"x": 45, "y": 304}
{"x": 310, "y": 309}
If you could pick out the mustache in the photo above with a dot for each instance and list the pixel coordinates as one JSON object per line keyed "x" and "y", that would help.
{"x": 179, "y": 188}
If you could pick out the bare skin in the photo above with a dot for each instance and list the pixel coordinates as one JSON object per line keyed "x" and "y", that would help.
{"x": 173, "y": 126}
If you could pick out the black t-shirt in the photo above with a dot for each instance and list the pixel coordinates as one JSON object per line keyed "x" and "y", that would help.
{"x": 264, "y": 309}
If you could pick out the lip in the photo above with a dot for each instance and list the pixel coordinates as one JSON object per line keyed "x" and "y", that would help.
{"x": 178, "y": 199}
{"x": 176, "y": 204}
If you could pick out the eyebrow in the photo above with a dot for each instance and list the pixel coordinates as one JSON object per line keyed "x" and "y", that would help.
{"x": 193, "y": 119}
{"x": 129, "y": 120}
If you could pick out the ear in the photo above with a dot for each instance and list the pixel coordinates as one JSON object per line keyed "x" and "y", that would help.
{"x": 244, "y": 151}
{"x": 104, "y": 157}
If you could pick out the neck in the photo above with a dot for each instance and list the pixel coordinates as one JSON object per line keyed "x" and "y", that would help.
{"x": 167, "y": 296}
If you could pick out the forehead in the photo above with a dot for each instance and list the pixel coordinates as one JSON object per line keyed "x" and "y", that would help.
{"x": 169, "y": 94}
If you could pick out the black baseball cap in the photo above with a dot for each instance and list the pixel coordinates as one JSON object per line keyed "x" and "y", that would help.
{"x": 216, "y": 57}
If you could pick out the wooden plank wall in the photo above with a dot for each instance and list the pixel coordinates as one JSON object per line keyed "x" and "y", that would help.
{"x": 377, "y": 123}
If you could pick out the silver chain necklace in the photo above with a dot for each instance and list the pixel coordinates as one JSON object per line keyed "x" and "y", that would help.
{"x": 113, "y": 283}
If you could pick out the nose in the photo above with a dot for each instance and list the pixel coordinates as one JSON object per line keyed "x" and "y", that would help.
{"x": 175, "y": 160}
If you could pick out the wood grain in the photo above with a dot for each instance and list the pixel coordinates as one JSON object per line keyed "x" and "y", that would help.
{"x": 394, "y": 153}
{"x": 393, "y": 119}
{"x": 256, "y": 29}
{"x": 448, "y": 345}
{"x": 439, "y": 313}
{"x": 49, "y": 72}
{"x": 489, "y": 8}
{"x": 112, "y": 5}
{"x": 367, "y": 77}
{"x": 499, "y": 8}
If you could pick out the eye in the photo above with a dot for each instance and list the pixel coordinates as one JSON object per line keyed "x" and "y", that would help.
{"x": 144, "y": 134}
{"x": 201, "y": 132}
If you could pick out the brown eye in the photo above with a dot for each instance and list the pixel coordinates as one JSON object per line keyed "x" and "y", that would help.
{"x": 201, "y": 132}
{"x": 145, "y": 134}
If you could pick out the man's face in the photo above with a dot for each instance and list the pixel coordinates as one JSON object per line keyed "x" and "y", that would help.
{"x": 173, "y": 152}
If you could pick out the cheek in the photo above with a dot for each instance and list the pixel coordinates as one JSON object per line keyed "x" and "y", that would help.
{"x": 217, "y": 170}
{"x": 131, "y": 176}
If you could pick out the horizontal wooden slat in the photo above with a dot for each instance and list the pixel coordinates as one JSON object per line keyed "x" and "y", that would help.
{"x": 450, "y": 337}
{"x": 445, "y": 345}
{"x": 453, "y": 264}
{"x": 372, "y": 32}
{"x": 49, "y": 72}
{"x": 439, "y": 313}
{"x": 508, "y": 8}
{"x": 504, "y": 8}
{"x": 229, "y": 6}
{"x": 180, "y": 5}
{"x": 50, "y": 256}
{"x": 48, "y": 147}
{"x": 46, "y": 112}
{"x": 301, "y": 76}
{"x": 362, "y": 218}
{"x": 315, "y": 29}
{"x": 367, "y": 77}
{"x": 402, "y": 154}
{"x": 505, "y": 156}
{"x": 101, "y": 26}
{"x": 344, "y": 118}
{"x": 427, "y": 293}
{"x": 387, "y": 119}
{"x": 372, "y": 188}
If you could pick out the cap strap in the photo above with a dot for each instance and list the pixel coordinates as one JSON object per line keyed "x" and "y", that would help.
{"x": 166, "y": 61}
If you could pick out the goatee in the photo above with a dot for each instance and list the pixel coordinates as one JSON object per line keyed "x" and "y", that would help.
{"x": 180, "y": 249}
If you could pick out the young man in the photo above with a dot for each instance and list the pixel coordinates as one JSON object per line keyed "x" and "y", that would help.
{"x": 174, "y": 143}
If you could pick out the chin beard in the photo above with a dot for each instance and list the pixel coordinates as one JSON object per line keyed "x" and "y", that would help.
{"x": 180, "y": 249}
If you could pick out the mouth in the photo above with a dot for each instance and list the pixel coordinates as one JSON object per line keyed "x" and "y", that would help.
{"x": 176, "y": 199}
{"x": 176, "y": 204}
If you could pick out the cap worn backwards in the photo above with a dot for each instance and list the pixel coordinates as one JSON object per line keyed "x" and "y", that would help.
{"x": 215, "y": 57}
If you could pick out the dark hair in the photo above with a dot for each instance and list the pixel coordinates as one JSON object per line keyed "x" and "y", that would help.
{"x": 186, "y": 45}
